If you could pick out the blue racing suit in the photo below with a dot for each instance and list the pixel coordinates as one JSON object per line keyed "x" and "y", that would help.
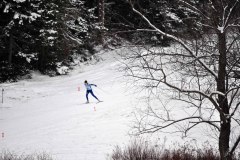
{"x": 89, "y": 90}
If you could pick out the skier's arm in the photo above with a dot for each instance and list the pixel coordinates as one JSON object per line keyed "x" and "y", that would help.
{"x": 93, "y": 85}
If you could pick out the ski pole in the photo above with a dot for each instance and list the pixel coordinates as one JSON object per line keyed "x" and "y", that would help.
{"x": 2, "y": 95}
{"x": 103, "y": 90}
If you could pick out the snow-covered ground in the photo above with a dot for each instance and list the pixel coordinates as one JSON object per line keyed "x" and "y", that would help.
{"x": 50, "y": 114}
{"x": 46, "y": 114}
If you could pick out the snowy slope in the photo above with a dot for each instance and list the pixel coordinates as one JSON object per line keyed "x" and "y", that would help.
{"x": 46, "y": 114}
{"x": 50, "y": 114}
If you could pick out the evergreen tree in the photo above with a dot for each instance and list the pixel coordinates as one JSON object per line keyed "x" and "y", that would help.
{"x": 43, "y": 35}
{"x": 50, "y": 43}
{"x": 16, "y": 39}
{"x": 82, "y": 26}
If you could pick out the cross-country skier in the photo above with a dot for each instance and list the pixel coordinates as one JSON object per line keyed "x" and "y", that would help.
{"x": 89, "y": 90}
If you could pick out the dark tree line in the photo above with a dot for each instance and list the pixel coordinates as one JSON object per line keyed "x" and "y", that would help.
{"x": 44, "y": 34}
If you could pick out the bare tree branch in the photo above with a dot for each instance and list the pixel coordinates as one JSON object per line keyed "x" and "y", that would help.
{"x": 177, "y": 40}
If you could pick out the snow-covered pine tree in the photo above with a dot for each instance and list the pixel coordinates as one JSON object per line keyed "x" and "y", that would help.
{"x": 43, "y": 34}
{"x": 82, "y": 26}
{"x": 51, "y": 44}
{"x": 16, "y": 17}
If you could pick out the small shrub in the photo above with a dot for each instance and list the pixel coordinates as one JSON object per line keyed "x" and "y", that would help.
{"x": 13, "y": 156}
{"x": 12, "y": 72}
{"x": 138, "y": 150}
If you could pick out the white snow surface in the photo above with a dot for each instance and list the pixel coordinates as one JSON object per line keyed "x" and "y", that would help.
{"x": 6, "y": 10}
{"x": 50, "y": 114}
{"x": 46, "y": 114}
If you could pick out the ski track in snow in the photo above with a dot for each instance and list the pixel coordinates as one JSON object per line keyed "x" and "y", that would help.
{"x": 49, "y": 115}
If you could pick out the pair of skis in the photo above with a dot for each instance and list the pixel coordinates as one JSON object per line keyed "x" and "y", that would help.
{"x": 93, "y": 102}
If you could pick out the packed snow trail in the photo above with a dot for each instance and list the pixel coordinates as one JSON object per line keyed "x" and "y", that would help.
{"x": 46, "y": 114}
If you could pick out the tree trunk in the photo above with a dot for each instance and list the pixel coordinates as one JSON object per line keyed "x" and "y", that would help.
{"x": 41, "y": 59}
{"x": 10, "y": 51}
{"x": 101, "y": 12}
{"x": 225, "y": 129}
{"x": 101, "y": 15}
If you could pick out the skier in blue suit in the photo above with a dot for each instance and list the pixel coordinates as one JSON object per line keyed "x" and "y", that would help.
{"x": 89, "y": 90}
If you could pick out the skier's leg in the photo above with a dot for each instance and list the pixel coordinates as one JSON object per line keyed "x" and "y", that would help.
{"x": 87, "y": 95}
{"x": 93, "y": 95}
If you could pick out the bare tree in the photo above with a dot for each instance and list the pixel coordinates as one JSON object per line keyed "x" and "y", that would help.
{"x": 202, "y": 72}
